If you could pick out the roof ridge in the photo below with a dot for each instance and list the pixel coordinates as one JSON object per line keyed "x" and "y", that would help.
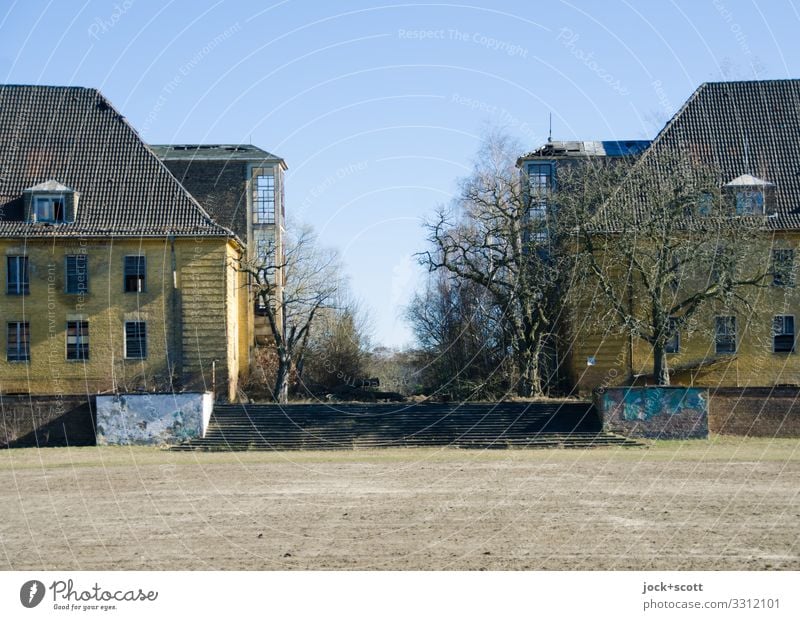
{"x": 50, "y": 86}
{"x": 717, "y": 82}
{"x": 141, "y": 143}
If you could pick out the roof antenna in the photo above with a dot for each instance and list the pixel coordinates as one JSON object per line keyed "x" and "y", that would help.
{"x": 550, "y": 132}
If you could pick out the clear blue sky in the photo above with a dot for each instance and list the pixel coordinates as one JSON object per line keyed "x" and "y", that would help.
{"x": 379, "y": 108}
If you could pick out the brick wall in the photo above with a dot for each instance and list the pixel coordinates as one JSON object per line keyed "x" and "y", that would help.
{"x": 46, "y": 421}
{"x": 219, "y": 186}
{"x": 755, "y": 412}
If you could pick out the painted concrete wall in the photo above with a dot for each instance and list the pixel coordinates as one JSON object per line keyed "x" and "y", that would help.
{"x": 152, "y": 419}
{"x": 655, "y": 412}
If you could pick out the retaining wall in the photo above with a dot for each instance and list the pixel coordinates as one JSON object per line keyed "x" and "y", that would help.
{"x": 655, "y": 412}
{"x": 46, "y": 421}
{"x": 152, "y": 419}
{"x": 755, "y": 412}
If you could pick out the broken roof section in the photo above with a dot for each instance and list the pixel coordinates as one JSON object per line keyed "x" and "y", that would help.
{"x": 216, "y": 152}
{"x": 590, "y": 148}
{"x": 72, "y": 137}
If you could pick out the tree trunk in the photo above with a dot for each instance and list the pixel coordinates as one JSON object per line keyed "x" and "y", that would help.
{"x": 660, "y": 367}
{"x": 530, "y": 376}
{"x": 281, "y": 393}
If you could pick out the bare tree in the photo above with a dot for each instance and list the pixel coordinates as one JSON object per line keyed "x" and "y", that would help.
{"x": 501, "y": 236}
{"x": 461, "y": 339}
{"x": 290, "y": 289}
{"x": 659, "y": 241}
{"x": 337, "y": 351}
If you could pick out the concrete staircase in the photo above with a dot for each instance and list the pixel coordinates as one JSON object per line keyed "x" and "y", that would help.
{"x": 552, "y": 424}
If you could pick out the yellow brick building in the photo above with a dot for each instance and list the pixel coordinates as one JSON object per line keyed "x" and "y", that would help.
{"x": 750, "y": 132}
{"x": 114, "y": 278}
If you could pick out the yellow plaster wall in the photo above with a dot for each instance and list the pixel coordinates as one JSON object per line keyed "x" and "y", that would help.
{"x": 187, "y": 325}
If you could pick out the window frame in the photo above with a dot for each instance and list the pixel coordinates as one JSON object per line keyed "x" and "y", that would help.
{"x": 78, "y": 291}
{"x": 24, "y": 277}
{"x": 264, "y": 200}
{"x": 749, "y": 201}
{"x": 19, "y": 356}
{"x": 143, "y": 340}
{"x": 784, "y": 278}
{"x": 783, "y": 333}
{"x": 52, "y": 200}
{"x": 82, "y": 341}
{"x": 718, "y": 336}
{"x": 141, "y": 277}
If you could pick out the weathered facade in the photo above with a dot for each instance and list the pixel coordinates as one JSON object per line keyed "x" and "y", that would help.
{"x": 750, "y": 132}
{"x": 115, "y": 279}
{"x": 242, "y": 187}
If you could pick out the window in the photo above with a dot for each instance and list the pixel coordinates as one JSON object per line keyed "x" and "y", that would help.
{"x": 540, "y": 177}
{"x": 17, "y": 280}
{"x": 48, "y": 208}
{"x": 263, "y": 196}
{"x": 783, "y": 334}
{"x": 134, "y": 274}
{"x": 77, "y": 340}
{"x": 783, "y": 267}
{"x": 705, "y": 204}
{"x": 77, "y": 274}
{"x": 135, "y": 340}
{"x": 18, "y": 347}
{"x": 749, "y": 202}
{"x": 673, "y": 345}
{"x": 725, "y": 338}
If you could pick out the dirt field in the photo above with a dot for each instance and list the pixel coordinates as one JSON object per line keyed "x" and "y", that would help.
{"x": 723, "y": 504}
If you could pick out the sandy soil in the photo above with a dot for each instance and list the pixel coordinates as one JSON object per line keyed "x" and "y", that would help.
{"x": 723, "y": 504}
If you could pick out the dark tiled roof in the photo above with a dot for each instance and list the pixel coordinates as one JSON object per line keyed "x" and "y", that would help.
{"x": 74, "y": 136}
{"x": 745, "y": 128}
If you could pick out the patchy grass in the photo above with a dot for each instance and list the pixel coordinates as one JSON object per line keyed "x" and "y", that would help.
{"x": 726, "y": 503}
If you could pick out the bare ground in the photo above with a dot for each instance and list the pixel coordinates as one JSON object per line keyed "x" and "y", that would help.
{"x": 723, "y": 504}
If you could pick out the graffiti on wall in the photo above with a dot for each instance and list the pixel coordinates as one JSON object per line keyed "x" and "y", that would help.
{"x": 151, "y": 419}
{"x": 656, "y": 412}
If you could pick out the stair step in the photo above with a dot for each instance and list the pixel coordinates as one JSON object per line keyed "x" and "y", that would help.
{"x": 326, "y": 426}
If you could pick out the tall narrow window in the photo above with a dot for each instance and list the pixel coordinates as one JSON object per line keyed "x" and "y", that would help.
{"x": 134, "y": 274}
{"x": 263, "y": 196}
{"x": 540, "y": 181}
{"x": 18, "y": 347}
{"x": 673, "y": 345}
{"x": 783, "y": 267}
{"x": 783, "y": 334}
{"x": 725, "y": 334}
{"x": 77, "y": 274}
{"x": 135, "y": 340}
{"x": 17, "y": 275}
{"x": 77, "y": 340}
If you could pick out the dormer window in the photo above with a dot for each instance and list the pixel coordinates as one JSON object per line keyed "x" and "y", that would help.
{"x": 749, "y": 201}
{"x": 48, "y": 209}
{"x": 751, "y": 195}
{"x": 50, "y": 202}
